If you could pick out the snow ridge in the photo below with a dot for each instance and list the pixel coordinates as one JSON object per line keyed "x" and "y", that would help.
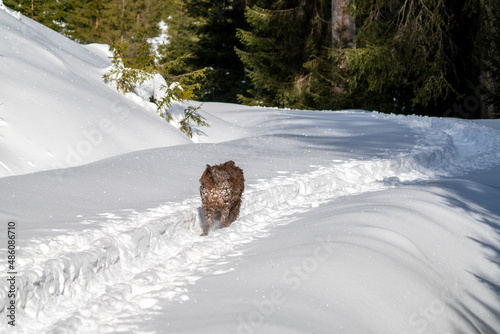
{"x": 161, "y": 248}
{"x": 15, "y": 14}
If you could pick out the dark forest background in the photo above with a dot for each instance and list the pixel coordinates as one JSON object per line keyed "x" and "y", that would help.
{"x": 426, "y": 57}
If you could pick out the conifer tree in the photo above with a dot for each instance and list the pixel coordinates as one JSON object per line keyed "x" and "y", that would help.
{"x": 488, "y": 56}
{"x": 286, "y": 52}
{"x": 208, "y": 34}
{"x": 416, "y": 53}
{"x": 88, "y": 21}
{"x": 181, "y": 33}
{"x": 274, "y": 50}
{"x": 44, "y": 11}
{"x": 101, "y": 21}
{"x": 129, "y": 73}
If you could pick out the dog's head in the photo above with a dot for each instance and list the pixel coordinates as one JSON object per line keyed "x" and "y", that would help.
{"x": 207, "y": 179}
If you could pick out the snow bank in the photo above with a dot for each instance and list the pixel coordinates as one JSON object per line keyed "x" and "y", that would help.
{"x": 412, "y": 259}
{"x": 129, "y": 261}
{"x": 56, "y": 111}
{"x": 352, "y": 221}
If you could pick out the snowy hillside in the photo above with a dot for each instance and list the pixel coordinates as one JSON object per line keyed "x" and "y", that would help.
{"x": 56, "y": 111}
{"x": 352, "y": 221}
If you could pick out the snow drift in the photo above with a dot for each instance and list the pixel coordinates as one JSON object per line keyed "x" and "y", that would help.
{"x": 56, "y": 111}
{"x": 352, "y": 221}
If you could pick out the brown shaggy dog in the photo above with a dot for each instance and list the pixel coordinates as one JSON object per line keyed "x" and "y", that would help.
{"x": 221, "y": 189}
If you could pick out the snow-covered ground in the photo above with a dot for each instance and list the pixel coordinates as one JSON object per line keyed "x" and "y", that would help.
{"x": 352, "y": 221}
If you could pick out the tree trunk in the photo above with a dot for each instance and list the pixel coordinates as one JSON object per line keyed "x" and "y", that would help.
{"x": 343, "y": 31}
{"x": 343, "y": 25}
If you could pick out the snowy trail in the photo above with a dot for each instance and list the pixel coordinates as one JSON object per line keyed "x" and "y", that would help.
{"x": 91, "y": 256}
{"x": 125, "y": 266}
{"x": 98, "y": 280}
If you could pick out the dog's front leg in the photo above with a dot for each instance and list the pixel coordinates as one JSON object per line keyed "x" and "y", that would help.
{"x": 224, "y": 219}
{"x": 209, "y": 222}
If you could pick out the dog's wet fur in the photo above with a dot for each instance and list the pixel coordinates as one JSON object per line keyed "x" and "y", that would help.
{"x": 221, "y": 191}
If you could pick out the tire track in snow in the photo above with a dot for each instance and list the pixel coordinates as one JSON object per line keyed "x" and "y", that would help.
{"x": 96, "y": 280}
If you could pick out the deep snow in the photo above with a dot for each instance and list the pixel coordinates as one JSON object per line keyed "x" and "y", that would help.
{"x": 352, "y": 221}
{"x": 55, "y": 106}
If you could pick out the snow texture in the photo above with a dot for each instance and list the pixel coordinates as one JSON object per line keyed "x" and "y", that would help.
{"x": 351, "y": 221}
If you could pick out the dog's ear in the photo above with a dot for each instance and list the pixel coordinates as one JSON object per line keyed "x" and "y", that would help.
{"x": 207, "y": 179}
{"x": 207, "y": 174}
{"x": 230, "y": 163}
